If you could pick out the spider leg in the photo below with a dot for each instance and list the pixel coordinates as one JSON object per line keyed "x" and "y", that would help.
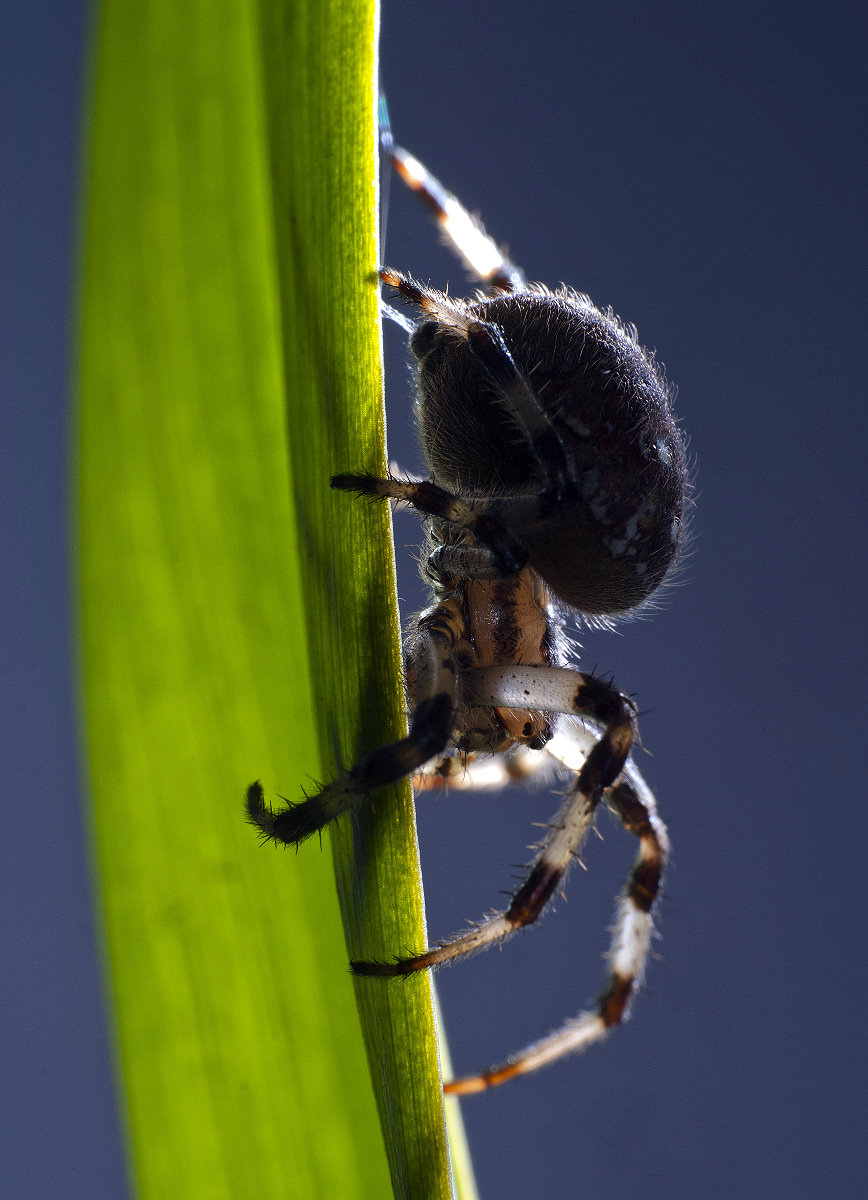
{"x": 464, "y": 232}
{"x": 514, "y": 389}
{"x": 437, "y": 696}
{"x": 524, "y": 406}
{"x": 433, "y": 500}
{"x": 633, "y": 802}
{"x": 555, "y": 689}
{"x": 489, "y": 772}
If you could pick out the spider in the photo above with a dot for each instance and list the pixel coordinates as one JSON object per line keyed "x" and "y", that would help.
{"x": 557, "y": 490}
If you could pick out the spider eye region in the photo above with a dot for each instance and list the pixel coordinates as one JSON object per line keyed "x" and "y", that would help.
{"x": 561, "y": 424}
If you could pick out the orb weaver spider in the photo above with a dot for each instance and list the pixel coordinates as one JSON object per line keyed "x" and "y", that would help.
{"x": 558, "y": 487}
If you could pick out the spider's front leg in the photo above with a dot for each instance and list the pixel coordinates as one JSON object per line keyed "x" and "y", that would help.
{"x": 487, "y": 772}
{"x": 631, "y": 800}
{"x": 605, "y": 772}
{"x": 436, "y": 696}
{"x": 550, "y": 689}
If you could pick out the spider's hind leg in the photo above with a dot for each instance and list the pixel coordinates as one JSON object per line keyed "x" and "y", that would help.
{"x": 432, "y": 500}
{"x": 464, "y": 232}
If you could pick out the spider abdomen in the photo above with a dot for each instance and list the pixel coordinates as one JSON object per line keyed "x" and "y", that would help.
{"x": 604, "y": 537}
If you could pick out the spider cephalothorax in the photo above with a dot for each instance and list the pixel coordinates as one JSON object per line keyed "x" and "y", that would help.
{"x": 557, "y": 489}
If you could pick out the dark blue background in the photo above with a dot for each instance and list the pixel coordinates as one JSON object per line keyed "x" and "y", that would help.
{"x": 701, "y": 169}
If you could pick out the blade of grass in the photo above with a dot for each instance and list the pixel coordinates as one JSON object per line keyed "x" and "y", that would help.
{"x": 327, "y": 248}
{"x": 233, "y": 610}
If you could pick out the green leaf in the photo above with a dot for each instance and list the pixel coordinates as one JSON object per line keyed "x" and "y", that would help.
{"x": 238, "y": 619}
